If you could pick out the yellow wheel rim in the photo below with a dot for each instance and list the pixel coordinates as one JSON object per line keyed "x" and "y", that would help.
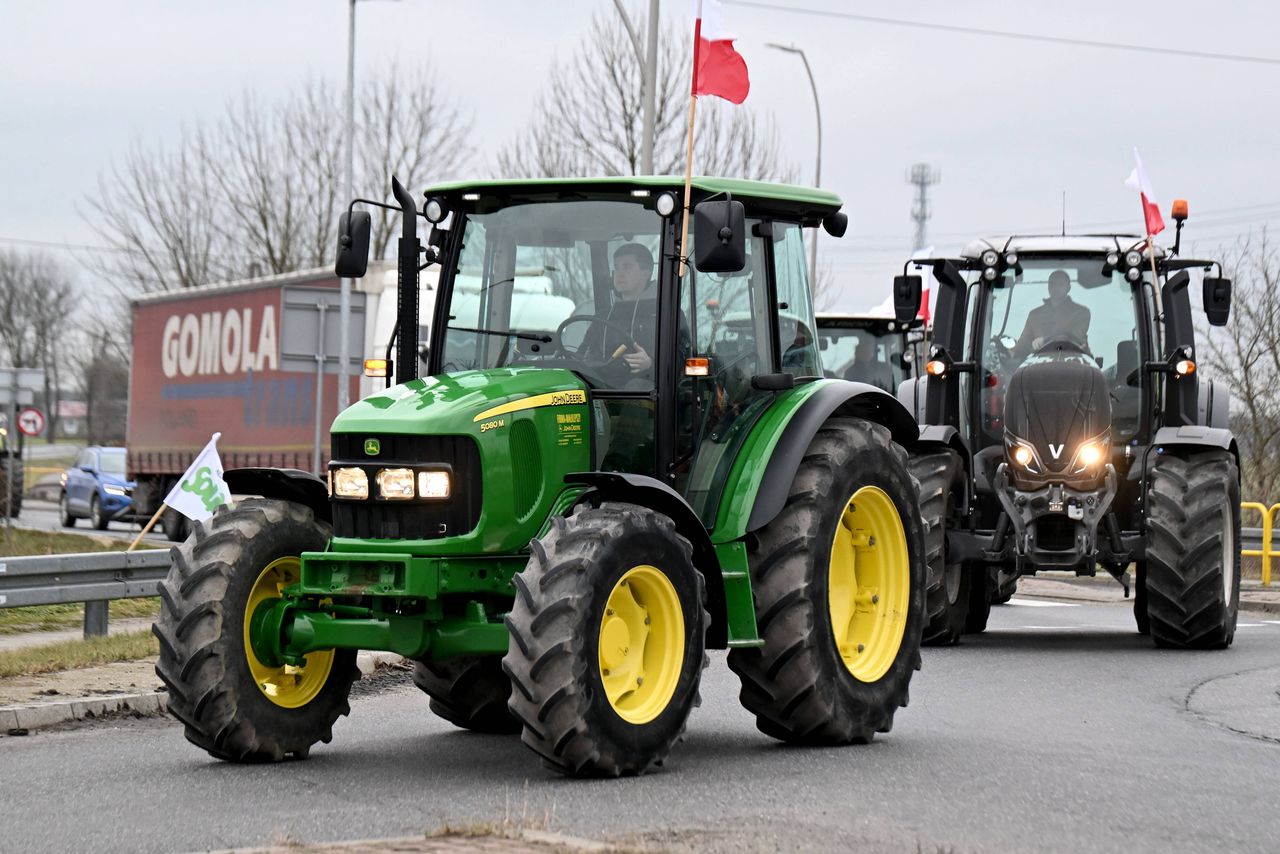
{"x": 869, "y": 584}
{"x": 641, "y": 648}
{"x": 287, "y": 686}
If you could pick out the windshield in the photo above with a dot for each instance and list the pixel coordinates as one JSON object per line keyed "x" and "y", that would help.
{"x": 558, "y": 284}
{"x": 112, "y": 462}
{"x": 865, "y": 355}
{"x": 1066, "y": 300}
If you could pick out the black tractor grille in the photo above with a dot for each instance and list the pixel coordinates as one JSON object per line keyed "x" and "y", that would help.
{"x": 1055, "y": 533}
{"x": 409, "y": 520}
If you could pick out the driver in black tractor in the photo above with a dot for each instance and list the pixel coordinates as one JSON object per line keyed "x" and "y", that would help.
{"x": 1058, "y": 317}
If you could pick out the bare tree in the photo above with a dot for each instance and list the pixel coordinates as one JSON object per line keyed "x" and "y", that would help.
{"x": 256, "y": 191}
{"x": 1245, "y": 354}
{"x": 588, "y": 121}
{"x": 36, "y": 304}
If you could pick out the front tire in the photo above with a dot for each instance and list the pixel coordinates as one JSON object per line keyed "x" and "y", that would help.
{"x": 96, "y": 517}
{"x": 941, "y": 478}
{"x": 608, "y": 634}
{"x": 64, "y": 512}
{"x": 984, "y": 582}
{"x": 231, "y": 704}
{"x": 838, "y": 579}
{"x": 471, "y": 693}
{"x": 1193, "y": 550}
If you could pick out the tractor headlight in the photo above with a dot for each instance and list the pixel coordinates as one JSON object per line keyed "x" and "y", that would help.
{"x": 1022, "y": 454}
{"x": 990, "y": 274}
{"x": 395, "y": 483}
{"x": 1133, "y": 274}
{"x": 990, "y": 258}
{"x": 350, "y": 483}
{"x": 1091, "y": 454}
{"x": 434, "y": 484}
{"x": 1132, "y": 258}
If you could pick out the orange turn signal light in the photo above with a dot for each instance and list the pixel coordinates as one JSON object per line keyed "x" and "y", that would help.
{"x": 376, "y": 367}
{"x": 935, "y": 367}
{"x": 1179, "y": 209}
{"x": 1182, "y": 367}
{"x": 697, "y": 366}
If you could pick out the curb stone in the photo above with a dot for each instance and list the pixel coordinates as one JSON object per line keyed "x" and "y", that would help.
{"x": 41, "y": 715}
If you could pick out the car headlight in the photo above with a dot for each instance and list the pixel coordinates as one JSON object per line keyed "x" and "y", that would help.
{"x": 112, "y": 489}
{"x": 434, "y": 484}
{"x": 395, "y": 483}
{"x": 350, "y": 483}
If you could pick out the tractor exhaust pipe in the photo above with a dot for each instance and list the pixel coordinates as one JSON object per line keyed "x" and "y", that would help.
{"x": 407, "y": 285}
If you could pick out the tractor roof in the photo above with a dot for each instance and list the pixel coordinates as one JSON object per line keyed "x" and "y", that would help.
{"x": 1056, "y": 244}
{"x": 806, "y": 201}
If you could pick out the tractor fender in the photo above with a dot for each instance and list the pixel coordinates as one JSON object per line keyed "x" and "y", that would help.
{"x": 1213, "y": 404}
{"x": 1195, "y": 438}
{"x": 836, "y": 397}
{"x": 657, "y": 496}
{"x": 295, "y": 485}
{"x": 943, "y": 435}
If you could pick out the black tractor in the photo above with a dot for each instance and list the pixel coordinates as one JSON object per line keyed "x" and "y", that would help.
{"x": 1064, "y": 426}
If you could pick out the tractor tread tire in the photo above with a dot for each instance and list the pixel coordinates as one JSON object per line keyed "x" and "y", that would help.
{"x": 202, "y": 657}
{"x": 552, "y": 658}
{"x": 470, "y": 693}
{"x": 796, "y": 684}
{"x": 940, "y": 473}
{"x": 1188, "y": 606}
{"x": 983, "y": 586}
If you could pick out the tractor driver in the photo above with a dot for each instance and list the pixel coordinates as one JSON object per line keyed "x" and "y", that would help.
{"x": 1059, "y": 317}
{"x": 867, "y": 367}
{"x": 635, "y": 310}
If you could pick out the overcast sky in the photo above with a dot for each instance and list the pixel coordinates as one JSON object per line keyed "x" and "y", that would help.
{"x": 1010, "y": 124}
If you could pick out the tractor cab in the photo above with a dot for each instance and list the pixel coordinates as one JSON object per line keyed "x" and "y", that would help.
{"x": 869, "y": 348}
{"x": 1060, "y": 388}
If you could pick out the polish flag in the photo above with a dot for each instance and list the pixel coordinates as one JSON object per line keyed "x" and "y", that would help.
{"x": 924, "y": 313}
{"x": 1140, "y": 181}
{"x": 718, "y": 69}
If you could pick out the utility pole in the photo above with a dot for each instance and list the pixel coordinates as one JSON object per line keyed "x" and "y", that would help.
{"x": 923, "y": 176}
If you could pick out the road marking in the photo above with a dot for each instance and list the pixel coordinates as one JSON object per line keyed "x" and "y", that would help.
{"x": 1249, "y": 625}
{"x": 1034, "y": 603}
{"x": 1272, "y": 622}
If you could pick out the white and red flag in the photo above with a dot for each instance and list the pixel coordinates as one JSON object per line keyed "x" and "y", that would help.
{"x": 718, "y": 68}
{"x": 1140, "y": 181}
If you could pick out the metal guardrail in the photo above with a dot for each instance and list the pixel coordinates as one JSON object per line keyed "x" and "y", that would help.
{"x": 1265, "y": 540}
{"x": 93, "y": 578}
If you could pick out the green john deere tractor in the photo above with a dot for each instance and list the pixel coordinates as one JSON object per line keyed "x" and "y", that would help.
{"x": 611, "y": 468}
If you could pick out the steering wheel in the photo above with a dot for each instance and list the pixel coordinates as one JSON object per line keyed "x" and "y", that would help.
{"x": 604, "y": 358}
{"x": 1062, "y": 342}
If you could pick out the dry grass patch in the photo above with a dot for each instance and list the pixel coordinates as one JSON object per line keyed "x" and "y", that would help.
{"x": 69, "y": 655}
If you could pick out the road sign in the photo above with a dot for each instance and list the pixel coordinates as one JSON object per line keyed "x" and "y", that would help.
{"x": 28, "y": 378}
{"x": 25, "y": 397}
{"x": 31, "y": 421}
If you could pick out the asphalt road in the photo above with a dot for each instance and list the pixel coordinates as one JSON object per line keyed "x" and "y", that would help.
{"x": 1058, "y": 730}
{"x": 44, "y": 516}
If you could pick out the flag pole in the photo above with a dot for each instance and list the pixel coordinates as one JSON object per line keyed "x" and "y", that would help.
{"x": 149, "y": 526}
{"x": 688, "y": 153}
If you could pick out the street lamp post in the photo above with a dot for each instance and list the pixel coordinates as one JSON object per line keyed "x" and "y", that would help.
{"x": 817, "y": 169}
{"x": 348, "y": 191}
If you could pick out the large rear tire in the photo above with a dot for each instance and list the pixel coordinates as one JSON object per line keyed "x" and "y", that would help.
{"x": 19, "y": 484}
{"x": 983, "y": 584}
{"x": 175, "y": 525}
{"x": 1140, "y": 615}
{"x": 231, "y": 704}
{"x": 1193, "y": 550}
{"x": 608, "y": 635}
{"x": 941, "y": 478}
{"x": 838, "y": 579}
{"x": 471, "y": 693}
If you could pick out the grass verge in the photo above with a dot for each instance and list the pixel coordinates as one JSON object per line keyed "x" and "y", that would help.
{"x": 69, "y": 655}
{"x": 47, "y": 618}
{"x": 17, "y": 542}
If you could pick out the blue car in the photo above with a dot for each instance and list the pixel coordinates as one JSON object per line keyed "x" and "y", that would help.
{"x": 95, "y": 487}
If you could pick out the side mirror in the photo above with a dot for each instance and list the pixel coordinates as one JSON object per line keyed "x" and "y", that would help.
{"x": 353, "y": 244}
{"x": 836, "y": 224}
{"x": 906, "y": 297}
{"x": 719, "y": 237}
{"x": 1217, "y": 300}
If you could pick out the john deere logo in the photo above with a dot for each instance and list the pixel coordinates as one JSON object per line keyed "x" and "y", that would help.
{"x": 372, "y": 447}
